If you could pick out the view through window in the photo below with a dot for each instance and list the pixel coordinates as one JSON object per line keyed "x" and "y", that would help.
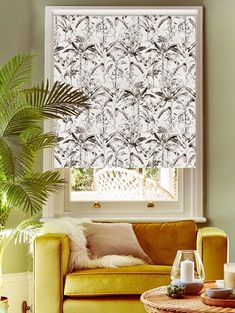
{"x": 112, "y": 184}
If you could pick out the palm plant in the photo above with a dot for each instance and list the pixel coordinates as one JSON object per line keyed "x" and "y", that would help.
{"x": 22, "y": 136}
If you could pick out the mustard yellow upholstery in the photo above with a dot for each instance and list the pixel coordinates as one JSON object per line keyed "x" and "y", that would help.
{"x": 156, "y": 238}
{"x": 212, "y": 245}
{"x": 130, "y": 280}
{"x": 51, "y": 258}
{"x": 121, "y": 304}
{"x": 118, "y": 290}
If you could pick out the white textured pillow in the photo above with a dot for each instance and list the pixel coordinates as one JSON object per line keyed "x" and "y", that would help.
{"x": 79, "y": 254}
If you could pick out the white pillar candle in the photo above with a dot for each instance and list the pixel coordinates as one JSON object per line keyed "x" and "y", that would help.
{"x": 187, "y": 271}
{"x": 229, "y": 275}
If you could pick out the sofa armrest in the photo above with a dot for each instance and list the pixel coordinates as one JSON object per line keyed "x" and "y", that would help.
{"x": 51, "y": 257}
{"x": 212, "y": 245}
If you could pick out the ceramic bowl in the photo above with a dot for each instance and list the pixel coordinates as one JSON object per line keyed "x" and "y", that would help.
{"x": 190, "y": 288}
{"x": 218, "y": 293}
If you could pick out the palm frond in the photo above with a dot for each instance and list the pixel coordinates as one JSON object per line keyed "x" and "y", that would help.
{"x": 7, "y": 98}
{"x": 49, "y": 180}
{"x": 25, "y": 232}
{"x": 62, "y": 100}
{"x": 4, "y": 208}
{"x": 15, "y": 157}
{"x": 24, "y": 119}
{"x": 16, "y": 71}
{"x": 30, "y": 193}
{"x": 6, "y": 235}
{"x": 17, "y": 115}
{"x": 37, "y": 140}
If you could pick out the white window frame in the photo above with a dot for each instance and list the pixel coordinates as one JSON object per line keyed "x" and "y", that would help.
{"x": 190, "y": 186}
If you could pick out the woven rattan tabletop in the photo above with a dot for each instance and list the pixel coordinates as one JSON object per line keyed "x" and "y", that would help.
{"x": 156, "y": 301}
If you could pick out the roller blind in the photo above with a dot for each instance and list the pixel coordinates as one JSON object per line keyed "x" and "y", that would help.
{"x": 140, "y": 74}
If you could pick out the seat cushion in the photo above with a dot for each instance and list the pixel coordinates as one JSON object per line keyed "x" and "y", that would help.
{"x": 129, "y": 280}
{"x": 109, "y": 304}
{"x": 160, "y": 241}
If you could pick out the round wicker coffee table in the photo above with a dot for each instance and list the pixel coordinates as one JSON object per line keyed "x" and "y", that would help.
{"x": 156, "y": 301}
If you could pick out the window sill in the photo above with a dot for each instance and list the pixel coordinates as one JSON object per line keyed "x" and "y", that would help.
{"x": 138, "y": 219}
{"x": 148, "y": 220}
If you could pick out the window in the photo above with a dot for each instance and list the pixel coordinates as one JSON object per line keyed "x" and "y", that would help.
{"x": 183, "y": 188}
{"x": 186, "y": 203}
{"x": 112, "y": 184}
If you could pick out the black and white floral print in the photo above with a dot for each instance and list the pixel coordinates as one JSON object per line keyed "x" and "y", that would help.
{"x": 140, "y": 74}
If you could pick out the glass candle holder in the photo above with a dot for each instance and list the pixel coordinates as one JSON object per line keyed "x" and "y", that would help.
{"x": 229, "y": 275}
{"x": 188, "y": 270}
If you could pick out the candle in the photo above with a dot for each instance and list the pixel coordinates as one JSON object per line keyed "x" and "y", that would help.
{"x": 187, "y": 271}
{"x": 229, "y": 275}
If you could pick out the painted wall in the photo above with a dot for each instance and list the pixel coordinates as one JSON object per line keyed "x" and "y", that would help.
{"x": 16, "y": 258}
{"x": 22, "y": 29}
{"x": 14, "y": 38}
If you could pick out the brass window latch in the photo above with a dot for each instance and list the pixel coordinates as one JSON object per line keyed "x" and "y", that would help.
{"x": 150, "y": 204}
{"x": 96, "y": 205}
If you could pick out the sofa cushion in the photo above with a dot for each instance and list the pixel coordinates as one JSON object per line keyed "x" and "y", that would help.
{"x": 130, "y": 280}
{"x": 113, "y": 239}
{"x": 160, "y": 241}
{"x": 109, "y": 304}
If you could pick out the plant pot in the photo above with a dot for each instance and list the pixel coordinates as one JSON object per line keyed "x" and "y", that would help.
{"x": 4, "y": 305}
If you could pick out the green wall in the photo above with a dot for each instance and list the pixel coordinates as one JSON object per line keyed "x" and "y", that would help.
{"x": 16, "y": 257}
{"x": 14, "y": 38}
{"x": 22, "y": 30}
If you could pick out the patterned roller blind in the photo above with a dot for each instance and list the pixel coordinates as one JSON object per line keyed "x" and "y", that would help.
{"x": 140, "y": 75}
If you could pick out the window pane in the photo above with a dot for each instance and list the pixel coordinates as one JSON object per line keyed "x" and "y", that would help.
{"x": 124, "y": 184}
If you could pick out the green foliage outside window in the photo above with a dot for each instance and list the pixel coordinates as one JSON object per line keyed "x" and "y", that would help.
{"x": 153, "y": 173}
{"x": 82, "y": 179}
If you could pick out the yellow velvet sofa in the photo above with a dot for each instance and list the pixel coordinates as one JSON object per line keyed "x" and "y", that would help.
{"x": 118, "y": 290}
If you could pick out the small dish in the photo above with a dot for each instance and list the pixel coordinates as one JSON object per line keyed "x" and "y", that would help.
{"x": 190, "y": 288}
{"x": 218, "y": 293}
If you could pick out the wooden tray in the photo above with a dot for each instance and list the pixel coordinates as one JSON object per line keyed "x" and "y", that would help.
{"x": 224, "y": 303}
{"x": 156, "y": 301}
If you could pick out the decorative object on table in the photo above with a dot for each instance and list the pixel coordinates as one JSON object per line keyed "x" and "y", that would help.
{"x": 188, "y": 271}
{"x": 232, "y": 296}
{"x": 219, "y": 293}
{"x": 141, "y": 67}
{"x": 156, "y": 301}
{"x": 229, "y": 275}
{"x": 224, "y": 303}
{"x": 222, "y": 297}
{"x": 176, "y": 292}
{"x": 190, "y": 288}
{"x": 21, "y": 138}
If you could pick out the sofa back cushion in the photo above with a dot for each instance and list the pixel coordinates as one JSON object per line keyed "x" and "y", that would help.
{"x": 105, "y": 239}
{"x": 160, "y": 241}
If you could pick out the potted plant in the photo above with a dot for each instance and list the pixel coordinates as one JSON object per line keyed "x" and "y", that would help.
{"x": 21, "y": 137}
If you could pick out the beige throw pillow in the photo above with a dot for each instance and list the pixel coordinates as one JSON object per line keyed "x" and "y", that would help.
{"x": 113, "y": 239}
